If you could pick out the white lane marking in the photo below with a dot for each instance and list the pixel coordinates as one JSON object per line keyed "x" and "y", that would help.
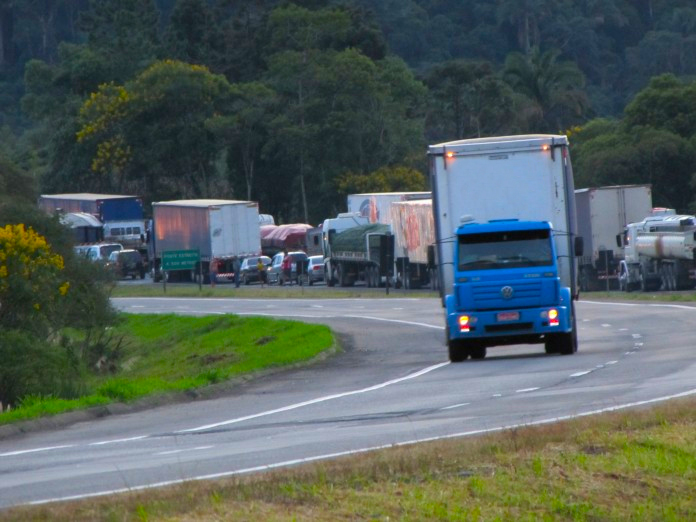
{"x": 172, "y": 452}
{"x": 328, "y": 456}
{"x": 316, "y": 401}
{"x": 332, "y": 316}
{"x": 525, "y": 390}
{"x": 623, "y": 329}
{"x": 496, "y": 395}
{"x": 654, "y": 305}
{"x": 35, "y": 450}
{"x": 580, "y": 374}
{"x": 137, "y": 306}
{"x": 636, "y": 336}
{"x": 605, "y": 325}
{"x": 116, "y": 441}
{"x": 412, "y": 323}
{"x": 317, "y": 306}
{"x": 611, "y": 362}
{"x": 456, "y": 406}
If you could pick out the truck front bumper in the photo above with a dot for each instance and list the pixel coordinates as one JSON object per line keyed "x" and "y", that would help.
{"x": 513, "y": 326}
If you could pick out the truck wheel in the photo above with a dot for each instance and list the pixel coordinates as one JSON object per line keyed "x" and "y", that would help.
{"x": 342, "y": 280}
{"x": 457, "y": 350}
{"x": 642, "y": 281}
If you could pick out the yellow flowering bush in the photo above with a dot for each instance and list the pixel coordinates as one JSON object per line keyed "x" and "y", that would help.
{"x": 29, "y": 275}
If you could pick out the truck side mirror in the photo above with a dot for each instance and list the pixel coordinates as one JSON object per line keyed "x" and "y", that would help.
{"x": 579, "y": 246}
{"x": 619, "y": 242}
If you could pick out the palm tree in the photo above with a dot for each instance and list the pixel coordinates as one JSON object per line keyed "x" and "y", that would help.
{"x": 554, "y": 89}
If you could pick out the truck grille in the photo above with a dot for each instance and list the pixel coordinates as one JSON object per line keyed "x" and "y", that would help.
{"x": 489, "y": 295}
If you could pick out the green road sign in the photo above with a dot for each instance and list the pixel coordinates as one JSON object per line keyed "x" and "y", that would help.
{"x": 180, "y": 259}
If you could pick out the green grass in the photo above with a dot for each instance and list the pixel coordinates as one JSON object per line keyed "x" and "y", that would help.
{"x": 169, "y": 353}
{"x": 638, "y": 465}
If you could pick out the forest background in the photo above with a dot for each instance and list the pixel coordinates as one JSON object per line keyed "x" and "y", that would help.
{"x": 294, "y": 105}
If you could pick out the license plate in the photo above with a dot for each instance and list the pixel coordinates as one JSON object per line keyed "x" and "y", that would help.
{"x": 508, "y": 316}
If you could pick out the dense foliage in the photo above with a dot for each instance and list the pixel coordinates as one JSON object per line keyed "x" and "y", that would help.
{"x": 286, "y": 103}
{"x": 44, "y": 289}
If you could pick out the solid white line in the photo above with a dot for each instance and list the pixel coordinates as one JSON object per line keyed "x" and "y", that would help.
{"x": 328, "y": 456}
{"x": 316, "y": 401}
{"x": 580, "y": 374}
{"x": 525, "y": 390}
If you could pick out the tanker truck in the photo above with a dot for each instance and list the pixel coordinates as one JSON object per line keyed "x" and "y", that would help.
{"x": 658, "y": 253}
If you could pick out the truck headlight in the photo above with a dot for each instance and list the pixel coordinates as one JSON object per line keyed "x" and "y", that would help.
{"x": 552, "y": 316}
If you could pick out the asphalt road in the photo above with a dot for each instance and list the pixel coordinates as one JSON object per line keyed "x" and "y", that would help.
{"x": 391, "y": 385}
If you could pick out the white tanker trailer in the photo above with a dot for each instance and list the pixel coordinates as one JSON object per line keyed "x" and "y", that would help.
{"x": 658, "y": 252}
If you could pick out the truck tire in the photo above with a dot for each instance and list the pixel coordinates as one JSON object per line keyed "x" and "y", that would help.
{"x": 456, "y": 349}
{"x": 341, "y": 275}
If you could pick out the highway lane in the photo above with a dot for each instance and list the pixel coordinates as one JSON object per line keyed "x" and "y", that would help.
{"x": 391, "y": 385}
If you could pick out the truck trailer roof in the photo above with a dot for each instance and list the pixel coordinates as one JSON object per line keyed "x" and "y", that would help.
{"x": 203, "y": 203}
{"x": 86, "y": 196}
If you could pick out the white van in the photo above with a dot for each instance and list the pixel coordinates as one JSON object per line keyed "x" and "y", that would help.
{"x": 97, "y": 252}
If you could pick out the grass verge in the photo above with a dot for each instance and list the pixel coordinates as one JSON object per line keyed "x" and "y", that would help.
{"x": 157, "y": 354}
{"x": 637, "y": 465}
{"x": 255, "y": 291}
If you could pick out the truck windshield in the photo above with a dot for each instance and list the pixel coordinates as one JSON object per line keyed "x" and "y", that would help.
{"x": 509, "y": 249}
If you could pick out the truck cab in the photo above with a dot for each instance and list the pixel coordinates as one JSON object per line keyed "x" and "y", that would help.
{"x": 507, "y": 290}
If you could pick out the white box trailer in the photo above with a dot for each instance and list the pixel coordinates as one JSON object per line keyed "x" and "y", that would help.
{"x": 604, "y": 212}
{"x": 375, "y": 205}
{"x": 413, "y": 227}
{"x": 526, "y": 177}
{"x": 225, "y": 230}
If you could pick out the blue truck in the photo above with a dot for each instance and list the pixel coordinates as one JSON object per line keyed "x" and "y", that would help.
{"x": 505, "y": 223}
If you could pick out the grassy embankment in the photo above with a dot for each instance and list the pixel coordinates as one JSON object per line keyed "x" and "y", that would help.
{"x": 158, "y": 354}
{"x": 638, "y": 465}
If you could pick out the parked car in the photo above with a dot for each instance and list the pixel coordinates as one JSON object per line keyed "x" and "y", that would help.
{"x": 315, "y": 269}
{"x": 126, "y": 263}
{"x": 275, "y": 273}
{"x": 97, "y": 252}
{"x": 249, "y": 271}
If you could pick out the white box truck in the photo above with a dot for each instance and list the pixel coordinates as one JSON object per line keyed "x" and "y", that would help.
{"x": 221, "y": 230}
{"x": 504, "y": 210}
{"x": 604, "y": 212}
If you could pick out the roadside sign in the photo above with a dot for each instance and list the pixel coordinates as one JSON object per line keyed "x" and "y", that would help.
{"x": 180, "y": 259}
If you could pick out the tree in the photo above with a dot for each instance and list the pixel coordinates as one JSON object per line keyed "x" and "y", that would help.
{"x": 124, "y": 32}
{"x": 188, "y": 36}
{"x": 666, "y": 103}
{"x": 30, "y": 282}
{"x": 384, "y": 179}
{"x": 469, "y": 100}
{"x": 243, "y": 127}
{"x": 150, "y": 136}
{"x": 553, "y": 89}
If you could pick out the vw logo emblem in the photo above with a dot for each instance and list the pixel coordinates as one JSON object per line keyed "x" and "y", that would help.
{"x": 507, "y": 292}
